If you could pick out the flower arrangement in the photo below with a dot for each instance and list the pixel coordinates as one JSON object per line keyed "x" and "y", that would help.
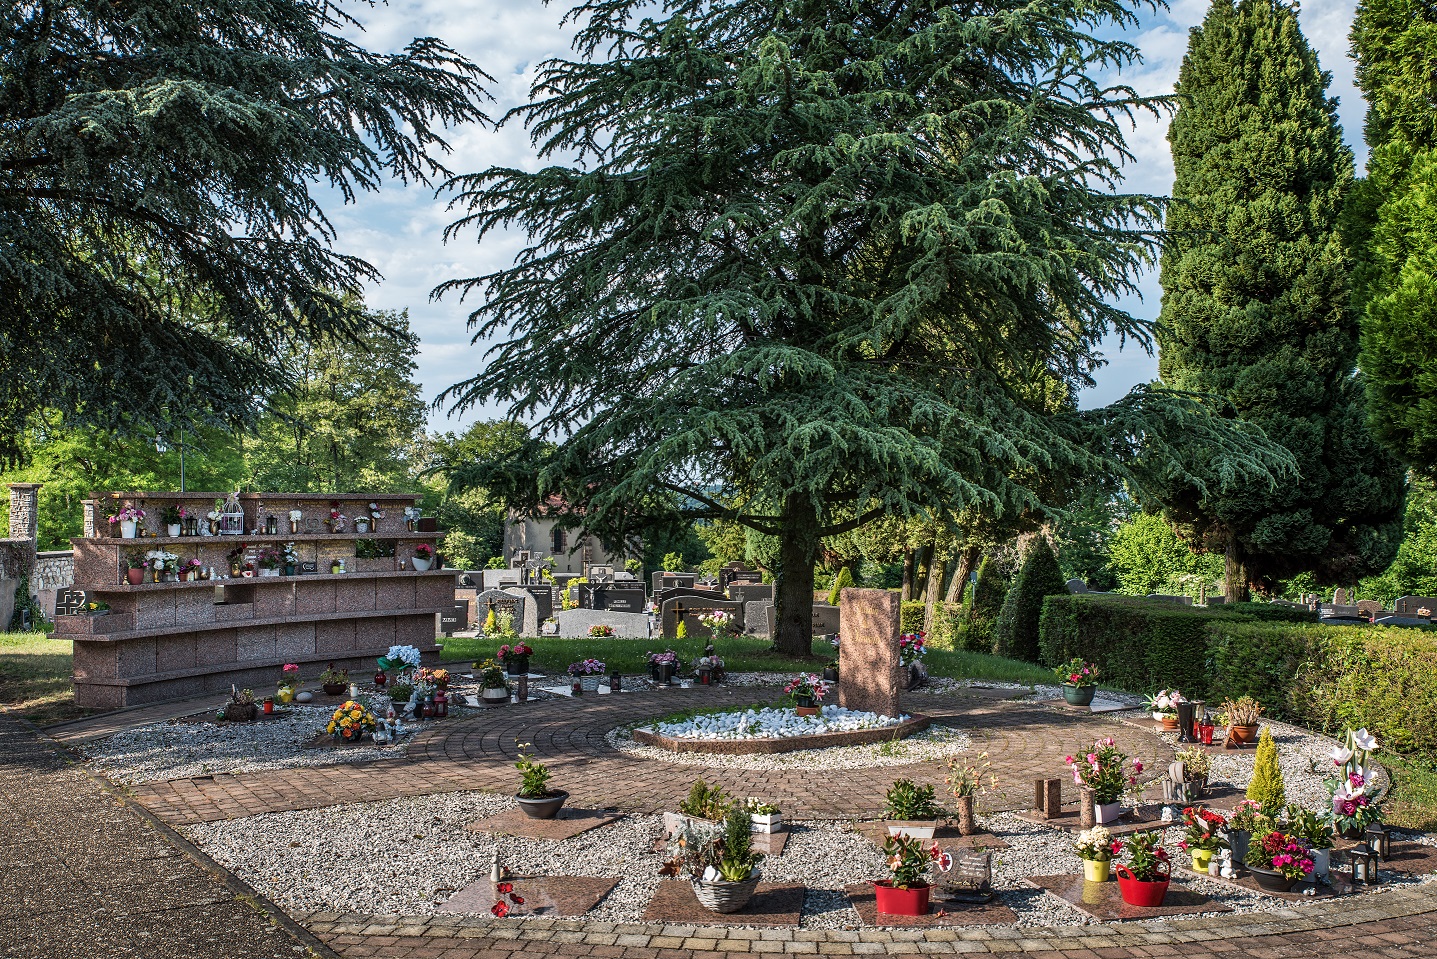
{"x": 911, "y": 647}
{"x": 350, "y": 722}
{"x": 806, "y": 687}
{"x": 1077, "y": 673}
{"x": 191, "y": 565}
{"x": 1104, "y": 770}
{"x": 1204, "y": 828}
{"x": 720, "y": 622}
{"x": 270, "y": 558}
{"x": 1313, "y": 830}
{"x": 1250, "y": 817}
{"x": 375, "y": 512}
{"x": 1354, "y": 795}
{"x": 437, "y": 678}
{"x": 491, "y": 675}
{"x": 586, "y": 667}
{"x": 601, "y": 631}
{"x": 296, "y": 515}
{"x": 423, "y": 551}
{"x": 1147, "y": 859}
{"x": 336, "y": 517}
{"x": 970, "y": 778}
{"x": 1165, "y": 703}
{"x": 130, "y": 514}
{"x": 214, "y": 515}
{"x": 1279, "y": 852}
{"x": 909, "y": 859}
{"x": 501, "y": 908}
{"x": 162, "y": 561}
{"x": 174, "y": 514}
{"x": 667, "y": 656}
{"x": 1097, "y": 845}
{"x": 400, "y": 658}
{"x": 333, "y": 677}
{"x": 519, "y": 650}
{"x": 709, "y": 853}
{"x": 289, "y": 675}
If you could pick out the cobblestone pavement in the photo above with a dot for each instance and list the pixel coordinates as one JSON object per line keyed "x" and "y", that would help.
{"x": 88, "y": 875}
{"x": 1024, "y": 741}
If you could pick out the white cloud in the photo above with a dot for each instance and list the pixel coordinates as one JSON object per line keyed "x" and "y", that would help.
{"x": 400, "y": 230}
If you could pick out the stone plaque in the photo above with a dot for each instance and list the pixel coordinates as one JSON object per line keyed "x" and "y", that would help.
{"x": 825, "y": 619}
{"x": 68, "y": 602}
{"x": 869, "y": 672}
{"x": 501, "y": 602}
{"x": 751, "y": 593}
{"x": 309, "y": 566}
{"x": 455, "y": 618}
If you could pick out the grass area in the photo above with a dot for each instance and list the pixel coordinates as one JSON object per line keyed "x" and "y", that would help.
{"x": 1412, "y": 804}
{"x": 35, "y": 677}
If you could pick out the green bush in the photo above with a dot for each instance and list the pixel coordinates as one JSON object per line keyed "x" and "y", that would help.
{"x": 1271, "y": 612}
{"x": 843, "y": 579}
{"x": 1015, "y": 632}
{"x": 947, "y": 626}
{"x": 910, "y": 617}
{"x": 1267, "y": 786}
{"x": 982, "y": 610}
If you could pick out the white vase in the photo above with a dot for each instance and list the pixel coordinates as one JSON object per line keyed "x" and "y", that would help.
{"x": 173, "y": 529}
{"x": 422, "y": 565}
{"x": 1107, "y": 812}
{"x": 127, "y": 529}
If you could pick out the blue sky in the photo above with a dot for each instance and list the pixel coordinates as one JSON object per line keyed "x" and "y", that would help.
{"x": 399, "y": 230}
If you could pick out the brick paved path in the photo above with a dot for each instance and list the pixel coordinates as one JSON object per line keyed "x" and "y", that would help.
{"x": 1024, "y": 741}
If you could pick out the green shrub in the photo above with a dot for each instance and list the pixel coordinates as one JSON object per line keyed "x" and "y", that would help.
{"x": 910, "y": 617}
{"x": 982, "y": 610}
{"x": 1266, "y": 785}
{"x": 843, "y": 579}
{"x": 947, "y": 626}
{"x": 1015, "y": 632}
{"x": 1271, "y": 612}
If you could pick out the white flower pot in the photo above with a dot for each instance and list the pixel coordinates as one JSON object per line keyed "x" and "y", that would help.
{"x": 173, "y": 529}
{"x": 422, "y": 565}
{"x": 269, "y": 572}
{"x": 1107, "y": 812}
{"x": 922, "y": 829}
{"x": 767, "y": 822}
{"x": 127, "y": 529}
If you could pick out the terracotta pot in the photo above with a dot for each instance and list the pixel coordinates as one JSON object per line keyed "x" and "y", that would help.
{"x": 135, "y": 576}
{"x": 1135, "y": 892}
{"x": 1242, "y": 735}
{"x": 806, "y": 710}
{"x": 893, "y": 901}
{"x": 1170, "y": 723}
{"x": 1079, "y": 695}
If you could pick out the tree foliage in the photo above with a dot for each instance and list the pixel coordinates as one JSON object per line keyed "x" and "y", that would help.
{"x": 161, "y": 241}
{"x": 1146, "y": 556}
{"x": 1256, "y": 303}
{"x": 1015, "y": 633}
{"x": 982, "y": 609}
{"x": 813, "y": 265}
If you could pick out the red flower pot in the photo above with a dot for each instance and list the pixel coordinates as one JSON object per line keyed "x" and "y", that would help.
{"x": 1135, "y": 892}
{"x": 894, "y": 901}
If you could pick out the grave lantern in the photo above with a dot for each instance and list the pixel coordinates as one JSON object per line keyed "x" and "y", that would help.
{"x": 1379, "y": 840}
{"x": 1205, "y": 729}
{"x": 1199, "y": 710}
{"x": 1362, "y": 865}
{"x": 616, "y": 682}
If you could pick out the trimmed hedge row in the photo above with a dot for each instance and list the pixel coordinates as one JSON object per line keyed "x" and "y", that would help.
{"x": 947, "y": 623}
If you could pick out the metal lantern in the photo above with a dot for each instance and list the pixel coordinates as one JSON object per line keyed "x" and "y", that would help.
{"x": 1362, "y": 865}
{"x": 1379, "y": 840}
{"x": 1205, "y": 729}
{"x": 616, "y": 682}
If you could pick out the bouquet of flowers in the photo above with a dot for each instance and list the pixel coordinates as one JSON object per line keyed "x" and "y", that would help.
{"x": 435, "y": 678}
{"x": 1354, "y": 795}
{"x": 586, "y": 667}
{"x": 1097, "y": 845}
{"x": 519, "y": 650}
{"x": 336, "y": 517}
{"x": 1077, "y": 673}
{"x": 375, "y": 512}
{"x": 1249, "y": 817}
{"x": 1279, "y": 852}
{"x": 1165, "y": 703}
{"x": 667, "y": 656}
{"x": 806, "y": 686}
{"x": 270, "y": 558}
{"x": 720, "y": 622}
{"x": 601, "y": 631}
{"x": 350, "y": 722}
{"x": 162, "y": 560}
{"x": 911, "y": 647}
{"x": 289, "y": 675}
{"x": 1203, "y": 830}
{"x": 130, "y": 514}
{"x": 970, "y": 778}
{"x": 1104, "y": 770}
{"x": 296, "y": 515}
{"x": 400, "y": 658}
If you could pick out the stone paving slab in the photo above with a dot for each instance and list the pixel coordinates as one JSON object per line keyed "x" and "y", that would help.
{"x": 771, "y": 905}
{"x": 542, "y": 895}
{"x": 1103, "y": 900}
{"x": 566, "y": 825}
{"x": 940, "y": 914}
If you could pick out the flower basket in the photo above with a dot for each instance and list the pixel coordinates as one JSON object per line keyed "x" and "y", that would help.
{"x": 721, "y": 895}
{"x": 896, "y": 901}
{"x": 1136, "y": 892}
{"x": 1079, "y": 695}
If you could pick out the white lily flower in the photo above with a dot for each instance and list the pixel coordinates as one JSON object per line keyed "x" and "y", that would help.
{"x": 1364, "y": 741}
{"x": 1340, "y": 755}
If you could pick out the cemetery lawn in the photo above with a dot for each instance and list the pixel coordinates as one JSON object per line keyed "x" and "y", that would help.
{"x": 35, "y": 677}
{"x": 1413, "y": 802}
{"x": 745, "y": 654}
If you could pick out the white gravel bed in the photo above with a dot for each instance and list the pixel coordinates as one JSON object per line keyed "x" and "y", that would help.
{"x": 773, "y": 723}
{"x": 933, "y": 743}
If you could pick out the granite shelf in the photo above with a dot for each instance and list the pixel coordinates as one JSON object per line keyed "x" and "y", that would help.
{"x": 248, "y": 538}
{"x": 210, "y": 626}
{"x": 246, "y": 581}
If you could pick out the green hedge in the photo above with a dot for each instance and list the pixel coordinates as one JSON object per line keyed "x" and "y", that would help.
{"x": 947, "y": 623}
{"x": 1271, "y": 612}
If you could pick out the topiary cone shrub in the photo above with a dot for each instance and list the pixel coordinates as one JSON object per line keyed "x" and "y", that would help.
{"x": 843, "y": 579}
{"x": 1015, "y": 634}
{"x": 1267, "y": 786}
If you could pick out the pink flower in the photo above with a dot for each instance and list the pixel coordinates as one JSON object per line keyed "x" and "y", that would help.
{"x": 1093, "y": 758}
{"x": 1137, "y": 766}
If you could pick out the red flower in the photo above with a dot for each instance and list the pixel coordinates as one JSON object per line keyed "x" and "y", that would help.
{"x": 505, "y": 888}
{"x": 516, "y": 900}
{"x": 500, "y": 909}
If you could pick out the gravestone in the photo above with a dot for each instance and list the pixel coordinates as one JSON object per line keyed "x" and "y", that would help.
{"x": 501, "y": 602}
{"x": 736, "y": 573}
{"x": 1077, "y": 586}
{"x": 825, "y": 619}
{"x": 1343, "y": 613}
{"x": 1184, "y": 600}
{"x": 692, "y": 608}
{"x": 869, "y": 672}
{"x": 758, "y": 619}
{"x": 1371, "y": 607}
{"x": 69, "y": 602}
{"x": 1413, "y": 605}
{"x": 1340, "y": 597}
{"x": 526, "y": 620}
{"x": 687, "y": 592}
{"x": 662, "y": 580}
{"x": 455, "y": 618}
{"x": 543, "y": 596}
{"x": 750, "y": 593}
{"x": 612, "y": 596}
{"x": 576, "y": 622}
{"x": 499, "y": 578}
{"x": 600, "y": 574}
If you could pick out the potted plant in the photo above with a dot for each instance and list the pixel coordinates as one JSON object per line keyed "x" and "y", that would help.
{"x": 830, "y": 671}
{"x": 766, "y": 817}
{"x": 269, "y": 561}
{"x": 719, "y": 861}
{"x": 1143, "y": 880}
{"x": 911, "y": 810}
{"x": 1277, "y": 861}
{"x": 1241, "y": 716}
{"x": 1353, "y": 790}
{"x": 705, "y": 805}
{"x": 97, "y": 608}
{"x": 911, "y": 647}
{"x": 334, "y": 680}
{"x": 134, "y": 567}
{"x": 129, "y": 519}
{"x": 1247, "y": 820}
{"x": 807, "y": 691}
{"x": 190, "y": 569}
{"x": 400, "y": 692}
{"x": 1079, "y": 680}
{"x": 534, "y": 796}
{"x": 423, "y": 556}
{"x": 967, "y": 781}
{"x": 601, "y": 631}
{"x": 906, "y": 892}
{"x": 515, "y": 658}
{"x": 174, "y": 517}
{"x": 336, "y": 517}
{"x": 1164, "y": 707}
{"x": 290, "y": 557}
{"x": 1103, "y": 770}
{"x": 1315, "y": 833}
{"x": 493, "y": 687}
{"x": 1204, "y": 835}
{"x": 288, "y": 683}
{"x": 662, "y": 666}
{"x": 241, "y": 707}
{"x": 1097, "y": 847}
{"x": 1197, "y": 764}
{"x": 587, "y": 673}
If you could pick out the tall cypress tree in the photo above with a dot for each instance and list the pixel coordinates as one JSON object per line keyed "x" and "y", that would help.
{"x": 1393, "y": 223}
{"x": 1255, "y": 303}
